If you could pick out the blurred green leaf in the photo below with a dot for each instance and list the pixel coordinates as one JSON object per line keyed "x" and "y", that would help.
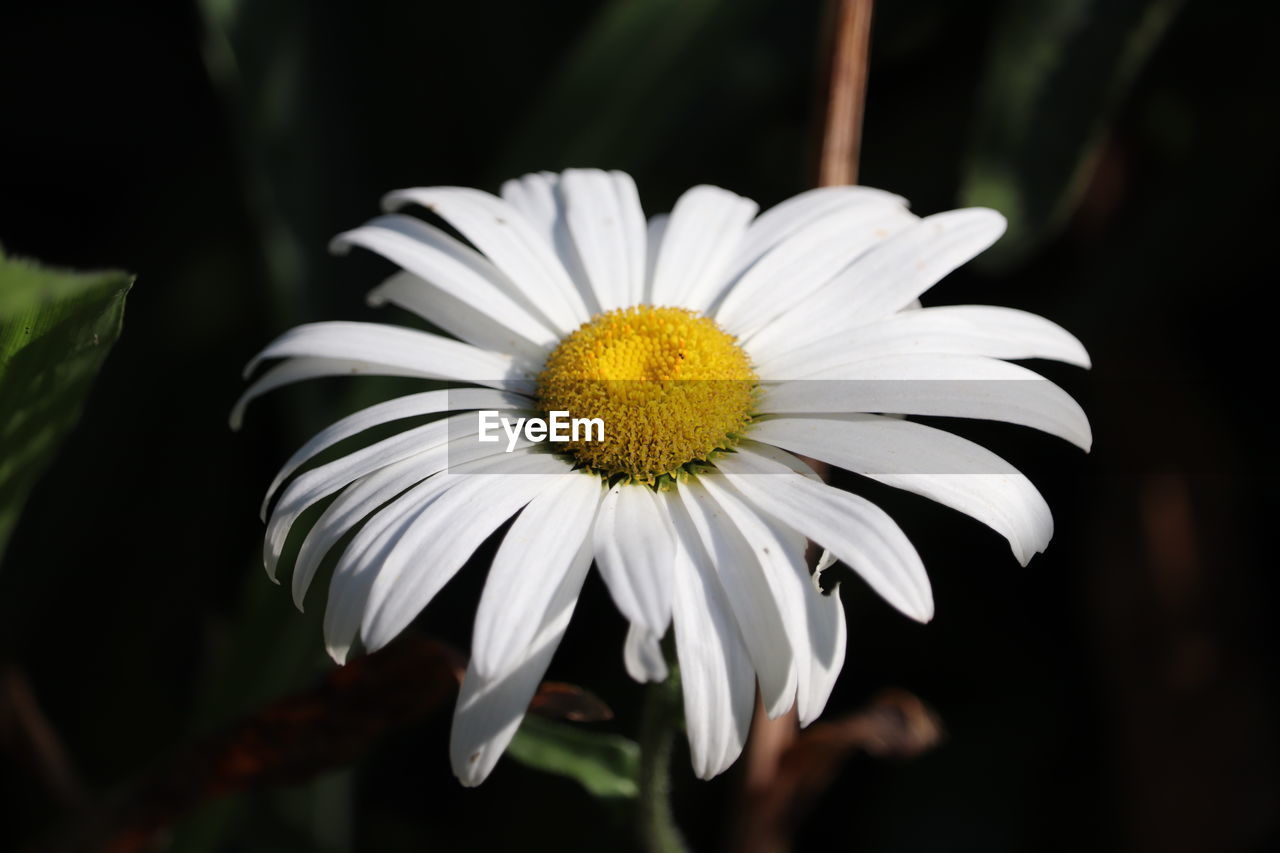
{"x": 56, "y": 328}
{"x": 254, "y": 53}
{"x": 615, "y": 73}
{"x": 606, "y": 765}
{"x": 1057, "y": 70}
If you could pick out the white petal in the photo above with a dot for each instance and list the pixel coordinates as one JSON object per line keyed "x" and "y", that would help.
{"x": 787, "y": 460}
{"x": 653, "y": 245}
{"x": 634, "y": 548}
{"x": 704, "y": 231}
{"x": 410, "y": 406}
{"x": 715, "y": 668}
{"x": 299, "y": 369}
{"x": 365, "y": 555}
{"x": 440, "y": 540}
{"x": 356, "y": 503}
{"x": 884, "y": 280}
{"x": 953, "y": 329}
{"x": 456, "y": 317}
{"x": 489, "y": 710}
{"x": 534, "y": 195}
{"x": 958, "y": 386}
{"x": 440, "y": 265}
{"x": 779, "y": 553}
{"x": 510, "y": 242}
{"x": 814, "y": 624}
{"x": 344, "y": 348}
{"x": 797, "y": 267}
{"x": 368, "y": 493}
{"x": 537, "y": 196}
{"x": 817, "y": 629}
{"x": 946, "y": 468}
{"x": 857, "y": 531}
{"x": 752, "y": 593}
{"x": 608, "y": 228}
{"x": 785, "y": 219}
{"x": 642, "y": 655}
{"x": 421, "y": 353}
{"x": 827, "y": 640}
{"x": 326, "y": 479}
{"x": 528, "y": 568}
{"x": 356, "y": 569}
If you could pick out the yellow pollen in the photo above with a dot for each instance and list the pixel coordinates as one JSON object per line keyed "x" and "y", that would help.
{"x": 669, "y": 385}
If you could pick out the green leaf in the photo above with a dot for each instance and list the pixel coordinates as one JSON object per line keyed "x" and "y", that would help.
{"x": 1057, "y": 71}
{"x": 606, "y": 765}
{"x": 56, "y": 328}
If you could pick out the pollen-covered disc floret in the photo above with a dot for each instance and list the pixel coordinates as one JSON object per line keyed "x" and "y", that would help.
{"x": 670, "y": 386}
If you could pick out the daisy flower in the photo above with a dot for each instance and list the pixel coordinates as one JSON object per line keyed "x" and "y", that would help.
{"x": 717, "y": 346}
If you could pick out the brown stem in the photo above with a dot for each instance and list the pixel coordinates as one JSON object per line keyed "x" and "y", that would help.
{"x": 846, "y": 92}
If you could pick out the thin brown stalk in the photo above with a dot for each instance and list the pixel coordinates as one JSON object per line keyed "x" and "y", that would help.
{"x": 846, "y": 92}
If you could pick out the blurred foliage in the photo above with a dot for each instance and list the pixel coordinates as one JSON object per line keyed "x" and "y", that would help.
{"x": 56, "y": 328}
{"x": 606, "y": 765}
{"x": 1056, "y": 73}
{"x": 634, "y": 59}
{"x": 258, "y": 130}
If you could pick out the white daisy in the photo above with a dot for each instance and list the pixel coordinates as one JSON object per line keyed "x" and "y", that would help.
{"x": 566, "y": 298}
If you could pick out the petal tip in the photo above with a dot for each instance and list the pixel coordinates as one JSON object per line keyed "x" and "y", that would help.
{"x": 991, "y": 215}
{"x": 781, "y": 707}
{"x": 396, "y": 199}
{"x": 705, "y": 774}
{"x": 469, "y": 777}
{"x": 341, "y": 244}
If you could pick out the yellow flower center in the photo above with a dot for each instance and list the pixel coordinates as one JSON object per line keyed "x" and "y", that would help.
{"x": 670, "y": 387}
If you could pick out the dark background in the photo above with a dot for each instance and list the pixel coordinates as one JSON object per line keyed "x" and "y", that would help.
{"x": 1117, "y": 694}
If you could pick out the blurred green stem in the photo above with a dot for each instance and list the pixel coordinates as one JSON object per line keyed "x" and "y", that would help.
{"x": 658, "y": 723}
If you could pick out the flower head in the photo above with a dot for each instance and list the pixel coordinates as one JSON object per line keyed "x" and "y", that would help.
{"x": 715, "y": 346}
